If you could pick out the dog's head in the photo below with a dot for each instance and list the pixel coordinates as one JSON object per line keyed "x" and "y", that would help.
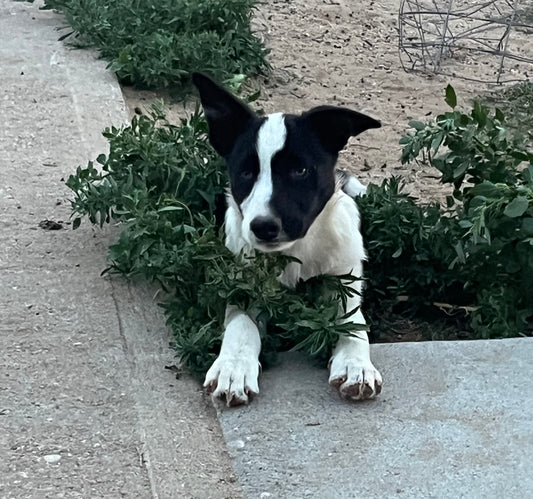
{"x": 282, "y": 166}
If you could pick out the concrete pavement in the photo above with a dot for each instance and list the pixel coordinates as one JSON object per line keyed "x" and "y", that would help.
{"x": 454, "y": 420}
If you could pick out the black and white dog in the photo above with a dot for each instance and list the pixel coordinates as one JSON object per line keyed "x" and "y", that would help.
{"x": 287, "y": 196}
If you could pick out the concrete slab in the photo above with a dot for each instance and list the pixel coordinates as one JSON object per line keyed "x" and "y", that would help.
{"x": 86, "y": 406}
{"x": 454, "y": 421}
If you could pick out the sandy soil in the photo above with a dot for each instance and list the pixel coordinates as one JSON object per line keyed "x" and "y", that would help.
{"x": 345, "y": 53}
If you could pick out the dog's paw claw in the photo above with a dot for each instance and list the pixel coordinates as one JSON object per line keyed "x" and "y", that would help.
{"x": 210, "y": 387}
{"x": 233, "y": 381}
{"x": 235, "y": 399}
{"x": 337, "y": 382}
{"x": 355, "y": 382}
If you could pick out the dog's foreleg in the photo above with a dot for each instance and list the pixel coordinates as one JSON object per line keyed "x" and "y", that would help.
{"x": 234, "y": 373}
{"x": 351, "y": 370}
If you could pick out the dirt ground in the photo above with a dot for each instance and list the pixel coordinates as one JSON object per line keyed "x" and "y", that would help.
{"x": 342, "y": 52}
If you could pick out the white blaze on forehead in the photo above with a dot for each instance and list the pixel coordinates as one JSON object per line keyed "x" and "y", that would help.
{"x": 270, "y": 139}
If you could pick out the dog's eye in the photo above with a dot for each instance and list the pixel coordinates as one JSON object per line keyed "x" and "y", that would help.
{"x": 299, "y": 172}
{"x": 247, "y": 174}
{"x": 247, "y": 169}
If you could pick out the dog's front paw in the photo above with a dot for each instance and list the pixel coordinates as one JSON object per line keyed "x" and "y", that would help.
{"x": 354, "y": 379}
{"x": 234, "y": 380}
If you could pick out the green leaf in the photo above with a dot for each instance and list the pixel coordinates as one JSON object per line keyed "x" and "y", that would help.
{"x": 62, "y": 37}
{"x": 451, "y": 98}
{"x": 517, "y": 207}
{"x": 480, "y": 114}
{"x": 460, "y": 171}
{"x": 253, "y": 97}
{"x": 527, "y": 226}
{"x": 170, "y": 208}
{"x": 450, "y": 201}
{"x": 486, "y": 189}
{"x": 76, "y": 223}
{"x": 528, "y": 174}
{"x": 417, "y": 125}
{"x": 405, "y": 139}
{"x": 437, "y": 141}
{"x": 512, "y": 266}
{"x": 397, "y": 253}
{"x": 460, "y": 252}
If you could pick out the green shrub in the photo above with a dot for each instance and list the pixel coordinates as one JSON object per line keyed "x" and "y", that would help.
{"x": 479, "y": 249}
{"x": 410, "y": 246}
{"x": 159, "y": 43}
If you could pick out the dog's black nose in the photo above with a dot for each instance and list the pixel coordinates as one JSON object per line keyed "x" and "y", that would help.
{"x": 265, "y": 228}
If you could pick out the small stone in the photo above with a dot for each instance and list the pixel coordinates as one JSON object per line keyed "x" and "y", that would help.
{"x": 265, "y": 495}
{"x": 236, "y": 444}
{"x": 52, "y": 458}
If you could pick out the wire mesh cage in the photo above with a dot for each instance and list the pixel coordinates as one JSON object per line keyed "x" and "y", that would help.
{"x": 488, "y": 41}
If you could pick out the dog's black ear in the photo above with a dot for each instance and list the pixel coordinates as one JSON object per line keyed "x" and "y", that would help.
{"x": 335, "y": 125}
{"x": 226, "y": 115}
